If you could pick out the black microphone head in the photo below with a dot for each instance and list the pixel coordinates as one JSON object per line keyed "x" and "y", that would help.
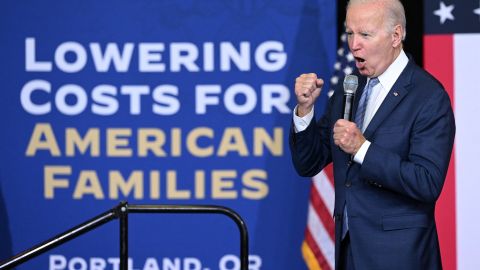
{"x": 350, "y": 84}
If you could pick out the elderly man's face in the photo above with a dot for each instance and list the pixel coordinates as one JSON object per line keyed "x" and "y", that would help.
{"x": 370, "y": 43}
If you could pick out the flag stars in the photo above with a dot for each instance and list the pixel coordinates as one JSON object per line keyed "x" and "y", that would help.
{"x": 337, "y": 66}
{"x": 350, "y": 57}
{"x": 477, "y": 11}
{"x": 334, "y": 80}
{"x": 445, "y": 12}
{"x": 330, "y": 93}
{"x": 348, "y": 70}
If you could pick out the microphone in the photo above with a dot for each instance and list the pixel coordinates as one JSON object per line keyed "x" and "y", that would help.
{"x": 350, "y": 84}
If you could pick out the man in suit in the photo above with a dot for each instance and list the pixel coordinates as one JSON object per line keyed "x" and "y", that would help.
{"x": 391, "y": 160}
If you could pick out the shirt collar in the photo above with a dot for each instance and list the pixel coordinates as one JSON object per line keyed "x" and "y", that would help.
{"x": 390, "y": 76}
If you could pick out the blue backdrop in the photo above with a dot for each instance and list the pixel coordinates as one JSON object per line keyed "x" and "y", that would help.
{"x": 156, "y": 102}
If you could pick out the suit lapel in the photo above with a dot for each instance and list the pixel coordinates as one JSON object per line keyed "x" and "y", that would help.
{"x": 393, "y": 98}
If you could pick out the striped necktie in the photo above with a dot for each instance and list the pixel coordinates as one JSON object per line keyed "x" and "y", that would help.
{"x": 362, "y": 104}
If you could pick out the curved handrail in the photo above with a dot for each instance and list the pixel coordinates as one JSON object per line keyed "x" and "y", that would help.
{"x": 242, "y": 227}
{"x": 121, "y": 211}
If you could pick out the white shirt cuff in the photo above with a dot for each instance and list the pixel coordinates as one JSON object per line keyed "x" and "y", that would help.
{"x": 301, "y": 123}
{"x": 360, "y": 155}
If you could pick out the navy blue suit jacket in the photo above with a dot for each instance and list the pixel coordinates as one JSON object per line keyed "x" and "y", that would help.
{"x": 391, "y": 196}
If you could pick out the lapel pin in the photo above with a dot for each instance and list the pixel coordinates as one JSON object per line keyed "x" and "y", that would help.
{"x": 395, "y": 94}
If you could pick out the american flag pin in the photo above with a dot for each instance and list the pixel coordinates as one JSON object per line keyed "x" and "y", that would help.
{"x": 395, "y": 94}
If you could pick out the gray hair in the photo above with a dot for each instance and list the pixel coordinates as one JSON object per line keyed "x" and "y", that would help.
{"x": 395, "y": 13}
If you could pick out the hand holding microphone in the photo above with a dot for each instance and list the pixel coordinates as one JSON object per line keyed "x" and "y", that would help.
{"x": 346, "y": 134}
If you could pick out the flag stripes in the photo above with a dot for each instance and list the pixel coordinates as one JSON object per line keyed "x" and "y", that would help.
{"x": 320, "y": 233}
{"x": 439, "y": 61}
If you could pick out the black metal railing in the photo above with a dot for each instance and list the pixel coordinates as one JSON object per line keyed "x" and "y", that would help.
{"x": 121, "y": 212}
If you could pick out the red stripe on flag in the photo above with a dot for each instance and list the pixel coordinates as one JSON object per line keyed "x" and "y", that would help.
{"x": 438, "y": 58}
{"x": 329, "y": 172}
{"x": 316, "y": 250}
{"x": 322, "y": 212}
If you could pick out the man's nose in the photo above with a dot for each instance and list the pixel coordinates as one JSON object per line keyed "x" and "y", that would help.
{"x": 355, "y": 43}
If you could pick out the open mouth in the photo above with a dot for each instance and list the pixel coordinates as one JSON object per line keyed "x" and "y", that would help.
{"x": 359, "y": 59}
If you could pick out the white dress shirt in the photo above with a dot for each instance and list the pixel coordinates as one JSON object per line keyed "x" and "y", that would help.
{"x": 377, "y": 96}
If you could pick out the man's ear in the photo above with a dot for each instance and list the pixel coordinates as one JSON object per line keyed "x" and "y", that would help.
{"x": 397, "y": 35}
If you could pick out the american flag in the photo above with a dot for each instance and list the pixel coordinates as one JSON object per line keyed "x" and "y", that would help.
{"x": 318, "y": 247}
{"x": 452, "y": 55}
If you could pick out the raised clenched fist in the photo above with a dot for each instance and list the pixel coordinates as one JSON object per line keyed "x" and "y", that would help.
{"x": 307, "y": 90}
